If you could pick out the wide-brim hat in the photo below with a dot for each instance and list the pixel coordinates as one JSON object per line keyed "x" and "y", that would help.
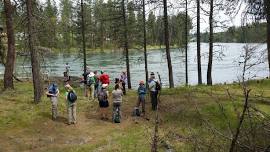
{"x": 152, "y": 73}
{"x": 67, "y": 86}
{"x": 104, "y": 85}
{"x": 91, "y": 74}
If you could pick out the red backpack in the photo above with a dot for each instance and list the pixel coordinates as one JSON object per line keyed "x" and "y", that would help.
{"x": 105, "y": 79}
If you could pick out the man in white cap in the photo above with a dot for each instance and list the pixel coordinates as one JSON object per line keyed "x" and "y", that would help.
{"x": 152, "y": 83}
{"x": 91, "y": 82}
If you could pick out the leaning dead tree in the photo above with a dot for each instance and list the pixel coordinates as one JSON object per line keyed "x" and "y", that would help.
{"x": 37, "y": 80}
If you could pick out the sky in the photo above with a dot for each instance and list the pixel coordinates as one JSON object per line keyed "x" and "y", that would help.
{"x": 219, "y": 15}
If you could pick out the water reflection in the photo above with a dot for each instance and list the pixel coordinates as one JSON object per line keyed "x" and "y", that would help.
{"x": 225, "y": 70}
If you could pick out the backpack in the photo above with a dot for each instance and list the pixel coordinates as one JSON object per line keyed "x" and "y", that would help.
{"x": 90, "y": 80}
{"x": 116, "y": 116}
{"x": 52, "y": 89}
{"x": 72, "y": 97}
{"x": 136, "y": 112}
{"x": 158, "y": 86}
{"x": 102, "y": 95}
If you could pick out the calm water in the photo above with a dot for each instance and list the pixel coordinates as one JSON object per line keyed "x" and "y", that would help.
{"x": 225, "y": 69}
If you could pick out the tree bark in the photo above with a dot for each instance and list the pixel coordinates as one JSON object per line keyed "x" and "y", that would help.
{"x": 37, "y": 81}
{"x": 167, "y": 44}
{"x": 267, "y": 9}
{"x": 144, "y": 46}
{"x": 199, "y": 43}
{"x": 83, "y": 47}
{"x": 210, "y": 58}
{"x": 126, "y": 42}
{"x": 10, "y": 61}
{"x": 186, "y": 45}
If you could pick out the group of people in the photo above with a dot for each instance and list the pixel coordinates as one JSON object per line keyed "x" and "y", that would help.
{"x": 70, "y": 98}
{"x": 97, "y": 88}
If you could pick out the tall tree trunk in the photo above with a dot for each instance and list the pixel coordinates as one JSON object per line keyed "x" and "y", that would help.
{"x": 167, "y": 44}
{"x": 83, "y": 47}
{"x": 37, "y": 81}
{"x": 126, "y": 42}
{"x": 186, "y": 45}
{"x": 267, "y": 9}
{"x": 10, "y": 61}
{"x": 210, "y": 58}
{"x": 199, "y": 43}
{"x": 144, "y": 46}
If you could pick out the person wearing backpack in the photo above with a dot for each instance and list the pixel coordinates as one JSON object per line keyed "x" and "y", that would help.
{"x": 96, "y": 84}
{"x": 117, "y": 94}
{"x": 153, "y": 88}
{"x": 141, "y": 96}
{"x": 91, "y": 82}
{"x": 53, "y": 93}
{"x": 71, "y": 98}
{"x": 123, "y": 80}
{"x": 103, "y": 102}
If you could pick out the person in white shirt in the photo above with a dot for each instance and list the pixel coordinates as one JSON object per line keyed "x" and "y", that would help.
{"x": 152, "y": 83}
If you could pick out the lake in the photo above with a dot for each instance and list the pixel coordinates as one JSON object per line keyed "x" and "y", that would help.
{"x": 225, "y": 65}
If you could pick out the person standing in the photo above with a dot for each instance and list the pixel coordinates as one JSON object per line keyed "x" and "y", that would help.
{"x": 103, "y": 102}
{"x": 53, "y": 93}
{"x": 67, "y": 67}
{"x": 117, "y": 94}
{"x": 152, "y": 84}
{"x": 71, "y": 104}
{"x": 91, "y": 82}
{"x": 123, "y": 80}
{"x": 96, "y": 84}
{"x": 141, "y": 96}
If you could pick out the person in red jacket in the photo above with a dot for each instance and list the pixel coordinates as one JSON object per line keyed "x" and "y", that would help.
{"x": 104, "y": 78}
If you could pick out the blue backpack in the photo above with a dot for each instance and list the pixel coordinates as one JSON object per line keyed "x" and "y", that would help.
{"x": 72, "y": 97}
{"x": 52, "y": 89}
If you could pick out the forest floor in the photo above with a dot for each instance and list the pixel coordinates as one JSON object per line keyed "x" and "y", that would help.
{"x": 25, "y": 126}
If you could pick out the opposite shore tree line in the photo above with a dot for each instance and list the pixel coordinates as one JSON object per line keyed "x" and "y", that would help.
{"x": 60, "y": 27}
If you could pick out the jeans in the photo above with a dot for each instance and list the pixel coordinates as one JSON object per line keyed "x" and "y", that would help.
{"x": 91, "y": 91}
{"x": 124, "y": 87}
{"x": 54, "y": 107}
{"x": 72, "y": 113}
{"x": 153, "y": 95}
{"x": 141, "y": 100}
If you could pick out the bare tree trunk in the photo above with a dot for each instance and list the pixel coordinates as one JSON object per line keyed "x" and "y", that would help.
{"x": 210, "y": 58}
{"x": 83, "y": 47}
{"x": 186, "y": 45}
{"x": 199, "y": 43}
{"x": 37, "y": 81}
{"x": 10, "y": 61}
{"x": 167, "y": 44}
{"x": 144, "y": 46}
{"x": 126, "y": 42}
{"x": 267, "y": 5}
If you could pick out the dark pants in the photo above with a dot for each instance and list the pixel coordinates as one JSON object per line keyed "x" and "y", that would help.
{"x": 141, "y": 100}
{"x": 116, "y": 105}
{"x": 153, "y": 95}
{"x": 124, "y": 87}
